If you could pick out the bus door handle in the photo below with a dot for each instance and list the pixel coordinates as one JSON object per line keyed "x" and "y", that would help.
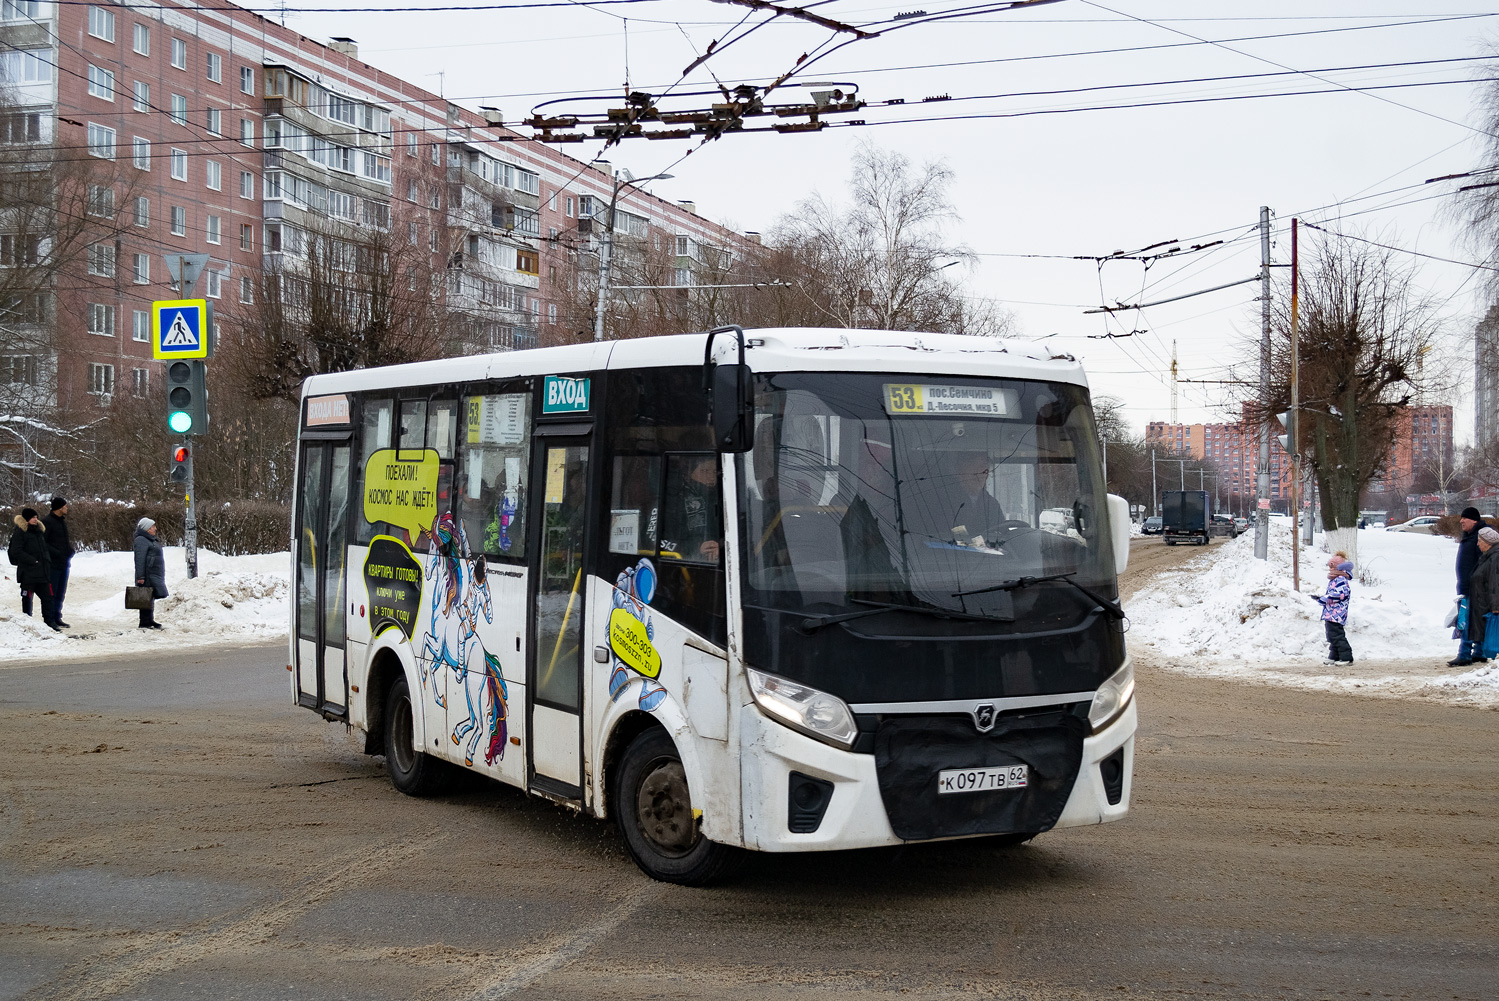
{"x": 601, "y": 655}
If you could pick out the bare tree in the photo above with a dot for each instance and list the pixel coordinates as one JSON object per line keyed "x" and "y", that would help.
{"x": 1365, "y": 330}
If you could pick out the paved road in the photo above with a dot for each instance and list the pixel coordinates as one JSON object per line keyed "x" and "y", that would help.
{"x": 173, "y": 828}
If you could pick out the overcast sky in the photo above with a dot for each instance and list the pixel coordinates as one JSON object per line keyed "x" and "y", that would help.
{"x": 1075, "y": 183}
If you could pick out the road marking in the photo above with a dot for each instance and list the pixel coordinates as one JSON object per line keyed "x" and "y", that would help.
{"x": 564, "y": 949}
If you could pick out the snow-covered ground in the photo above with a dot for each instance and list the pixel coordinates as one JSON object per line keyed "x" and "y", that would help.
{"x": 1228, "y": 614}
{"x": 235, "y": 599}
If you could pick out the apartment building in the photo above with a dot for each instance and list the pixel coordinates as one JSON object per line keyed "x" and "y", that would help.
{"x": 213, "y": 130}
{"x": 1232, "y": 448}
{"x": 1422, "y": 454}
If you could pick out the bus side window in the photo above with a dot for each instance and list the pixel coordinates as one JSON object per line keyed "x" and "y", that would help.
{"x": 492, "y": 477}
{"x": 375, "y": 434}
{"x": 635, "y": 505}
{"x": 692, "y": 522}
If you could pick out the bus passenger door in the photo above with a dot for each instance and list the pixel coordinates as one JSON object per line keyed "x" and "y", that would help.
{"x": 555, "y": 670}
{"x": 322, "y": 524}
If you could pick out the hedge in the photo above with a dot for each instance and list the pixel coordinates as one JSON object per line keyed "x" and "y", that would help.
{"x": 234, "y": 529}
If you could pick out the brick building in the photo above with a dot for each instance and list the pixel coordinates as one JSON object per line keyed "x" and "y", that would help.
{"x": 1422, "y": 454}
{"x": 214, "y": 130}
{"x": 1232, "y": 448}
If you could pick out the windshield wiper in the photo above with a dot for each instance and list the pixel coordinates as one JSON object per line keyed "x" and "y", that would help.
{"x": 1112, "y": 607}
{"x": 814, "y": 623}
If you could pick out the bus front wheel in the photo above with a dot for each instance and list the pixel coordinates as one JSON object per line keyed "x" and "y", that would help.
{"x": 653, "y": 809}
{"x": 411, "y": 771}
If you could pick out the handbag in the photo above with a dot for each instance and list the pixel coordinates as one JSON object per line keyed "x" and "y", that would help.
{"x": 1452, "y": 613}
{"x": 1490, "y": 636}
{"x": 140, "y": 596}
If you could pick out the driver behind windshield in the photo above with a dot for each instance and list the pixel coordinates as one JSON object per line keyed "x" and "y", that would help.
{"x": 966, "y": 513}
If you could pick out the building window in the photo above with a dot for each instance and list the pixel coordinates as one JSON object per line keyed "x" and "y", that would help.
{"x": 247, "y": 131}
{"x": 143, "y": 39}
{"x": 101, "y": 260}
{"x": 140, "y": 381}
{"x": 436, "y": 200}
{"x": 411, "y": 233}
{"x": 552, "y": 202}
{"x": 215, "y": 278}
{"x": 569, "y": 206}
{"x": 142, "y": 269}
{"x": 101, "y": 379}
{"x": 526, "y": 261}
{"x": 101, "y": 201}
{"x": 19, "y": 250}
{"x": 214, "y": 119}
{"x": 21, "y": 128}
{"x": 19, "y": 370}
{"x": 101, "y": 319}
{"x": 179, "y": 109}
{"x": 213, "y": 175}
{"x": 101, "y": 141}
{"x": 411, "y": 191}
{"x": 432, "y": 240}
{"x": 682, "y": 277}
{"x": 246, "y": 236}
{"x": 179, "y": 165}
{"x": 142, "y": 153}
{"x": 18, "y": 10}
{"x": 179, "y": 220}
{"x": 246, "y": 290}
{"x": 247, "y": 80}
{"x": 552, "y": 313}
{"x": 179, "y": 53}
{"x": 215, "y": 68}
{"x": 213, "y": 230}
{"x": 142, "y": 211}
{"x": 142, "y": 96}
{"x": 246, "y": 184}
{"x": 436, "y": 155}
{"x": 411, "y": 144}
{"x": 101, "y": 83}
{"x": 141, "y": 325}
{"x": 101, "y": 23}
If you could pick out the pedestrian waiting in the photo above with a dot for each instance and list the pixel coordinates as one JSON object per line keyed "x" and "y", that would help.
{"x": 150, "y": 569}
{"x": 1334, "y": 599}
{"x": 61, "y": 548}
{"x": 33, "y": 562}
{"x": 1483, "y": 595}
{"x": 1467, "y": 559}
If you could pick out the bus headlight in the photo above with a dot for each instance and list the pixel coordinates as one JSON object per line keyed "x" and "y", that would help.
{"x": 814, "y": 713}
{"x": 1112, "y": 697}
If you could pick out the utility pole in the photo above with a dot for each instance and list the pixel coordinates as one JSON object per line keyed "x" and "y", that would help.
{"x": 1262, "y": 470}
{"x": 1295, "y": 428}
{"x": 1155, "y": 504}
{"x": 1182, "y": 468}
{"x": 607, "y": 253}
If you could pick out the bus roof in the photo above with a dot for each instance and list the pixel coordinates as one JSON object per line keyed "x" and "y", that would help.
{"x": 773, "y": 349}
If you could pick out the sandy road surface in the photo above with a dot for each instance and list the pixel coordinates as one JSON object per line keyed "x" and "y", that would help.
{"x": 174, "y": 829}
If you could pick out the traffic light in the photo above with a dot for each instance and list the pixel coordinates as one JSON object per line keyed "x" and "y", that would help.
{"x": 182, "y": 463}
{"x": 187, "y": 397}
{"x": 1284, "y": 439}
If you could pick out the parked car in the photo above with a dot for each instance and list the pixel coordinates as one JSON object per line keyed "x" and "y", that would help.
{"x": 1152, "y": 526}
{"x": 1426, "y": 524}
{"x": 1241, "y": 525}
{"x": 1223, "y": 524}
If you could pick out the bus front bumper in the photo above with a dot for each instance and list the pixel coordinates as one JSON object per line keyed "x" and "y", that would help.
{"x": 855, "y": 817}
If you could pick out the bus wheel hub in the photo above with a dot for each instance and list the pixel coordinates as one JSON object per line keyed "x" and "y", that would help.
{"x": 665, "y": 808}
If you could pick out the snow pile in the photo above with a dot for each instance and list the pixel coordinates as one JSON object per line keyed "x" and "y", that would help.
{"x": 234, "y": 599}
{"x": 1226, "y": 613}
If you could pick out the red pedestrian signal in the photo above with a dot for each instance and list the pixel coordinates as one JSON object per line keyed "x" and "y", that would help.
{"x": 182, "y": 461}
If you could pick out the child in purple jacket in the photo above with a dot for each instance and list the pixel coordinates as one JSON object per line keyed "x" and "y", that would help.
{"x": 1334, "y": 601}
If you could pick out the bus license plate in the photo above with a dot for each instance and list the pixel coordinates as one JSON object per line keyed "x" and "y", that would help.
{"x": 982, "y": 779}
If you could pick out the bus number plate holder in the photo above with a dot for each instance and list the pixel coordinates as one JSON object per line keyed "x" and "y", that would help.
{"x": 954, "y": 780}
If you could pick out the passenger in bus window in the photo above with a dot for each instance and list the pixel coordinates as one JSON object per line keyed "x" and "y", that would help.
{"x": 693, "y": 521}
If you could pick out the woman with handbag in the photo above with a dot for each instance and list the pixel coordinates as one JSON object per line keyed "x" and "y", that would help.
{"x": 150, "y": 571}
{"x": 1483, "y": 595}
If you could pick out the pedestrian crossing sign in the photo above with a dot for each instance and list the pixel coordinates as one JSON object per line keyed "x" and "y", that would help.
{"x": 181, "y": 328}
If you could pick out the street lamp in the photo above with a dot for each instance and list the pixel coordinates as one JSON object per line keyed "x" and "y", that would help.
{"x": 604, "y": 258}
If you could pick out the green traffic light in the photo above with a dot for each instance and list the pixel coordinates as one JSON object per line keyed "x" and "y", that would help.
{"x": 180, "y": 421}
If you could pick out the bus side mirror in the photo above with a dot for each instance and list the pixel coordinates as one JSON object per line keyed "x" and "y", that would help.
{"x": 733, "y": 411}
{"x": 1119, "y": 530}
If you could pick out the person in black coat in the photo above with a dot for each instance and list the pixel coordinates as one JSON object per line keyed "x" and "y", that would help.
{"x": 150, "y": 568}
{"x": 1467, "y": 559}
{"x": 33, "y": 562}
{"x": 1483, "y": 587}
{"x": 61, "y": 548}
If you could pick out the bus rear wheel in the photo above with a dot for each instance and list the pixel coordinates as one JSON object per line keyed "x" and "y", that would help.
{"x": 411, "y": 771}
{"x": 653, "y": 809}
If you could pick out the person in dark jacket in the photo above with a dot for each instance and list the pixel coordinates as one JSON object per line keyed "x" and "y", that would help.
{"x": 1467, "y": 559}
{"x": 61, "y": 548}
{"x": 150, "y": 568}
{"x": 1483, "y": 587}
{"x": 33, "y": 562}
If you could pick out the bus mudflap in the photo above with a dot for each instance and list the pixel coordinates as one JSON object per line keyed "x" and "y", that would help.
{"x": 911, "y": 755}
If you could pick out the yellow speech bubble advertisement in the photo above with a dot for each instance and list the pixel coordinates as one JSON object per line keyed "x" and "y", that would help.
{"x": 400, "y": 487}
{"x": 628, "y": 640}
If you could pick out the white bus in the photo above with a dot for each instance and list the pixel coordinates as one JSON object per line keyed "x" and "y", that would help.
{"x": 780, "y": 590}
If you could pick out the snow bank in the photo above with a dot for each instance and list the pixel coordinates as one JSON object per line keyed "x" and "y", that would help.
{"x": 234, "y": 599}
{"x": 1226, "y": 613}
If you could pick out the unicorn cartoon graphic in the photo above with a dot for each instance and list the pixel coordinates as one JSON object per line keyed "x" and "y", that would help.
{"x": 445, "y": 563}
{"x": 487, "y": 697}
{"x": 633, "y": 590}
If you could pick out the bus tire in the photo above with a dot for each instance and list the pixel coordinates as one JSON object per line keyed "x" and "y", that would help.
{"x": 653, "y": 810}
{"x": 411, "y": 771}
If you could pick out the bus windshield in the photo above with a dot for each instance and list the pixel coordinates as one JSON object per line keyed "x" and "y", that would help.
{"x": 936, "y": 493}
